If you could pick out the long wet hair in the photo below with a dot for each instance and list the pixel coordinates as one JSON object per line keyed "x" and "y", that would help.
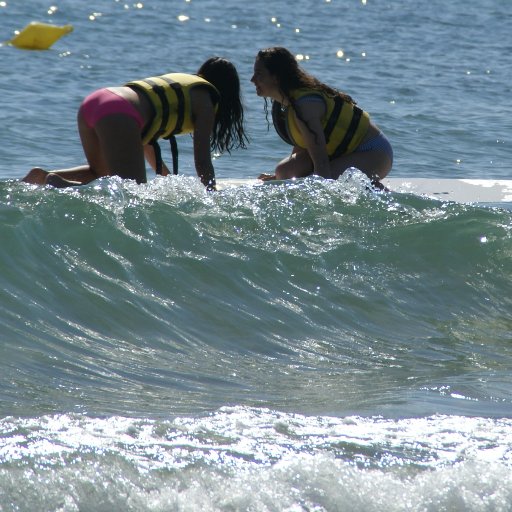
{"x": 228, "y": 131}
{"x": 281, "y": 63}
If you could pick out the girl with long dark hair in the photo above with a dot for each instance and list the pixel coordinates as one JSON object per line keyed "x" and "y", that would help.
{"x": 328, "y": 131}
{"x": 120, "y": 126}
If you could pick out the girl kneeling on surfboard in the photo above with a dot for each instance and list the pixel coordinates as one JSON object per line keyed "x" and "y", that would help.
{"x": 119, "y": 126}
{"x": 328, "y": 132}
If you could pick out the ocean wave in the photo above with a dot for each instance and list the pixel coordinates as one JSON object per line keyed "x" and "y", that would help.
{"x": 166, "y": 290}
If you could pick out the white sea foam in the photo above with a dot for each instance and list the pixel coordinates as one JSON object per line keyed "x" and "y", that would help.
{"x": 250, "y": 459}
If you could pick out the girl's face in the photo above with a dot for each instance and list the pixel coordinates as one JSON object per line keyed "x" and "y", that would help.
{"x": 266, "y": 83}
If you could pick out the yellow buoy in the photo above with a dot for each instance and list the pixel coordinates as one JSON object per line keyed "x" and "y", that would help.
{"x": 39, "y": 36}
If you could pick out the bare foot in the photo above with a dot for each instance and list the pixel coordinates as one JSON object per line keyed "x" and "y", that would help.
{"x": 266, "y": 177}
{"x": 377, "y": 185}
{"x": 36, "y": 176}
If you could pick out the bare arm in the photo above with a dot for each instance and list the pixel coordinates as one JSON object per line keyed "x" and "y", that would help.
{"x": 312, "y": 132}
{"x": 204, "y": 117}
{"x": 149, "y": 154}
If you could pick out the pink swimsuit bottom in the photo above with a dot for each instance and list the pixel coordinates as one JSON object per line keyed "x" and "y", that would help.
{"x": 104, "y": 102}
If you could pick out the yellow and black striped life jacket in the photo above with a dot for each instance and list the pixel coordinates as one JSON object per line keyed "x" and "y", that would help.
{"x": 344, "y": 123}
{"x": 170, "y": 97}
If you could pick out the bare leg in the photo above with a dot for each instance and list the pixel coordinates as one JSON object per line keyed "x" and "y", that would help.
{"x": 59, "y": 179}
{"x": 375, "y": 164}
{"x": 74, "y": 176}
{"x": 297, "y": 165}
{"x": 114, "y": 147}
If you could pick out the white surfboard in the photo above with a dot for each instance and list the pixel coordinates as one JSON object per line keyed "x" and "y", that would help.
{"x": 460, "y": 190}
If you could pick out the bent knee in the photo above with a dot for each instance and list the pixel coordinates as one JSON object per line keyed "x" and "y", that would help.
{"x": 281, "y": 173}
{"x": 377, "y": 165}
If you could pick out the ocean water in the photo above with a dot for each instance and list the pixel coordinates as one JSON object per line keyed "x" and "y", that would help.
{"x": 311, "y": 346}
